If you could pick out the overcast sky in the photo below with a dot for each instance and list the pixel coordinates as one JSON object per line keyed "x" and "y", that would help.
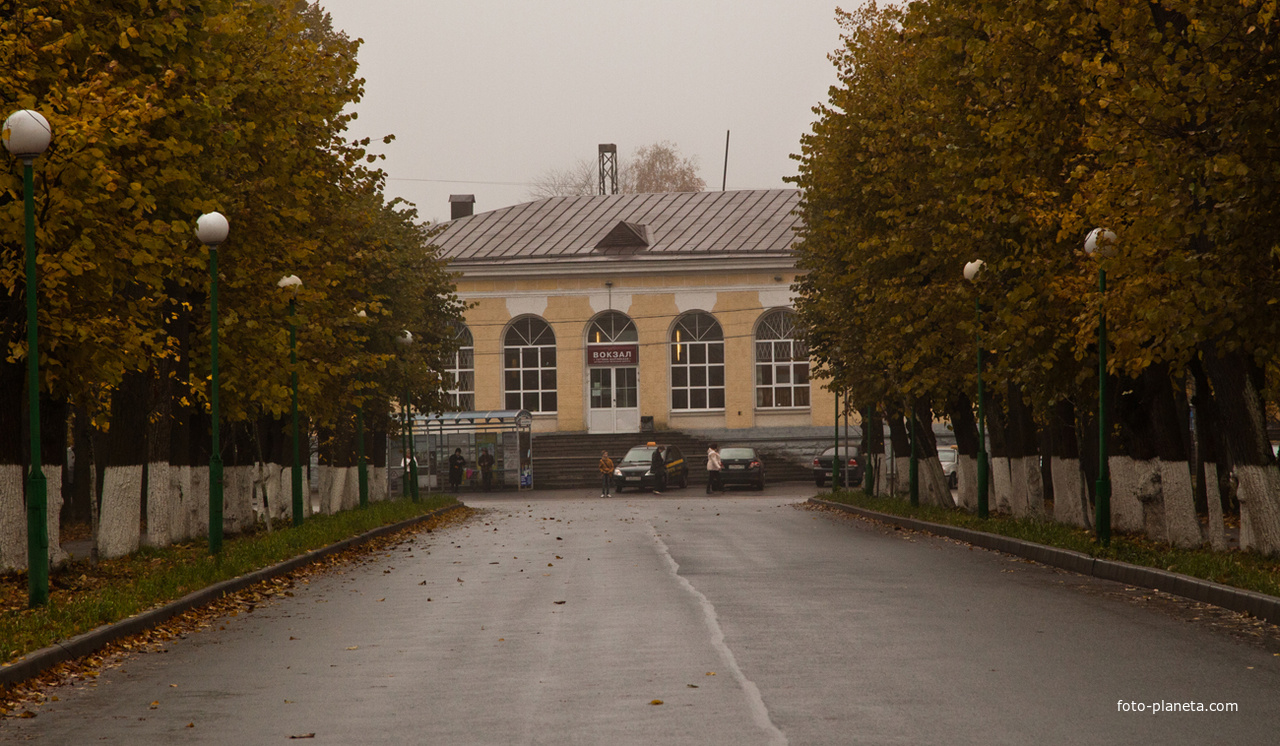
{"x": 484, "y": 96}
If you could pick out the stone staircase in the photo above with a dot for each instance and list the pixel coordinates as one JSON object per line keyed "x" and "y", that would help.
{"x": 568, "y": 460}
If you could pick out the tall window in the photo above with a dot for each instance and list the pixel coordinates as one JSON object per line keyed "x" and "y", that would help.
{"x": 697, "y": 363}
{"x": 529, "y": 365}
{"x": 462, "y": 372}
{"x": 782, "y": 362}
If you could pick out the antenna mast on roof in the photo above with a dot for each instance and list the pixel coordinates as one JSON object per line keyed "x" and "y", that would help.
{"x": 608, "y": 168}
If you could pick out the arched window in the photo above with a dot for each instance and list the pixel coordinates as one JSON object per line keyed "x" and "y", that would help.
{"x": 529, "y": 365}
{"x": 782, "y": 362}
{"x": 612, "y": 327}
{"x": 697, "y": 363}
{"x": 462, "y": 371}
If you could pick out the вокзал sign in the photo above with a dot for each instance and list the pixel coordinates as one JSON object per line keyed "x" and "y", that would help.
{"x": 613, "y": 354}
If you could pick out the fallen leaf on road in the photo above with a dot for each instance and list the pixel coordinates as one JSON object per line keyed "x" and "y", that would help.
{"x": 191, "y": 725}
{"x": 559, "y": 557}
{"x": 381, "y": 600}
{"x": 155, "y": 704}
{"x": 711, "y": 673}
{"x": 559, "y": 602}
{"x": 692, "y": 686}
{"x": 656, "y": 702}
{"x": 459, "y": 580}
{"x": 550, "y": 565}
{"x": 354, "y": 647}
{"x": 304, "y": 735}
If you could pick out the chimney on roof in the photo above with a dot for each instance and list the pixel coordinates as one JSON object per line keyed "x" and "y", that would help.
{"x": 461, "y": 205}
{"x": 608, "y": 168}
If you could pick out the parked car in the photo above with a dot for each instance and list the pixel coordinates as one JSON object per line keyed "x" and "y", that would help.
{"x": 950, "y": 458}
{"x": 634, "y": 469}
{"x": 852, "y": 458}
{"x": 742, "y": 465}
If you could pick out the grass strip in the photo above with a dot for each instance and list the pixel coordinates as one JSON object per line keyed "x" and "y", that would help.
{"x": 82, "y": 598}
{"x": 1239, "y": 569}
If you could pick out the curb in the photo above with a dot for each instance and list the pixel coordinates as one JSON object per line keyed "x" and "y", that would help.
{"x": 1258, "y": 605}
{"x": 37, "y": 662}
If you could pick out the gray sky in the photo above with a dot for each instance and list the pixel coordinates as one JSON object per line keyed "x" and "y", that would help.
{"x": 485, "y": 91}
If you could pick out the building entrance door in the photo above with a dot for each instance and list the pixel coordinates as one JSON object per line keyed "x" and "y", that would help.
{"x": 615, "y": 401}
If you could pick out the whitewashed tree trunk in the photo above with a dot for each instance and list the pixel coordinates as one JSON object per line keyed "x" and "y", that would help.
{"x": 1070, "y": 496}
{"x": 179, "y": 506}
{"x": 1182, "y": 525}
{"x": 882, "y": 486}
{"x": 198, "y": 503}
{"x": 160, "y": 504}
{"x": 902, "y": 480}
{"x": 933, "y": 484}
{"x": 351, "y": 488}
{"x": 1126, "y": 509}
{"x": 967, "y": 482}
{"x": 1150, "y": 491}
{"x": 237, "y": 498}
{"x": 1017, "y": 487}
{"x": 120, "y": 526}
{"x": 378, "y": 483}
{"x": 1213, "y": 499}
{"x": 1259, "y": 491}
{"x": 1000, "y": 499}
{"x": 13, "y": 518}
{"x": 53, "y": 513}
{"x": 1034, "y": 482}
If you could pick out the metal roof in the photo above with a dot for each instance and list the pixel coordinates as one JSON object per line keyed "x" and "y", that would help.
{"x": 757, "y": 222}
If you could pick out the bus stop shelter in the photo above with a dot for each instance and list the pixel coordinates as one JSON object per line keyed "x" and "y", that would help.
{"x": 507, "y": 434}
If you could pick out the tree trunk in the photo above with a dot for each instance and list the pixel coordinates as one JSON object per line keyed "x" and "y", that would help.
{"x": 1237, "y": 383}
{"x": 13, "y": 467}
{"x": 965, "y": 425}
{"x": 1026, "y": 491}
{"x": 997, "y": 429}
{"x": 377, "y": 421}
{"x": 53, "y": 455}
{"x": 873, "y": 446}
{"x": 122, "y": 451}
{"x": 897, "y": 480}
{"x": 1208, "y": 436}
{"x": 933, "y": 483}
{"x": 1071, "y": 499}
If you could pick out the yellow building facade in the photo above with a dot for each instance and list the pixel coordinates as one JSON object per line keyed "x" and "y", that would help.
{"x": 624, "y": 312}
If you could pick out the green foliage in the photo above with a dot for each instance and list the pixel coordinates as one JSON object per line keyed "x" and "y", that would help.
{"x": 1003, "y": 131}
{"x": 163, "y": 110}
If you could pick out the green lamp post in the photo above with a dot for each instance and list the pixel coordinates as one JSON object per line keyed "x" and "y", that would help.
{"x": 971, "y": 271}
{"x": 27, "y": 134}
{"x": 211, "y": 230}
{"x": 405, "y": 339}
{"x": 362, "y": 466}
{"x": 293, "y": 282}
{"x": 1101, "y": 243}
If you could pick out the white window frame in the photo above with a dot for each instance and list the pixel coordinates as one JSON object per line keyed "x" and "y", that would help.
{"x": 781, "y": 362}
{"x": 696, "y": 363}
{"x": 535, "y": 363}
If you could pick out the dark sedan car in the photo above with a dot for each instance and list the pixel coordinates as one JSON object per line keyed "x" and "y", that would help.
{"x": 741, "y": 465}
{"x": 852, "y": 459}
{"x": 633, "y": 470}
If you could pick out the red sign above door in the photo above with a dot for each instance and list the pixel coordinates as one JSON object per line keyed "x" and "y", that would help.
{"x": 613, "y": 354}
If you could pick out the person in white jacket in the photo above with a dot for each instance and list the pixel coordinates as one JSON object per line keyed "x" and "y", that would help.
{"x": 714, "y": 465}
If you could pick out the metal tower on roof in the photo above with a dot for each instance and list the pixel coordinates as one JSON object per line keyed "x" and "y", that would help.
{"x": 608, "y": 168}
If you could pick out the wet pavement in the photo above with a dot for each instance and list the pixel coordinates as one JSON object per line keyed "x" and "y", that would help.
{"x": 559, "y": 617}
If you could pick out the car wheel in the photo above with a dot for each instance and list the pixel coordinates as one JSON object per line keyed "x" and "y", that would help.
{"x": 760, "y": 485}
{"x": 684, "y": 480}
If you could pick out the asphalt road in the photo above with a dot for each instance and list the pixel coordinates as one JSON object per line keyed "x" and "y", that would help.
{"x": 557, "y": 618}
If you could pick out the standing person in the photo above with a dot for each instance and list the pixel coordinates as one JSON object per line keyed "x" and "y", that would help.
{"x": 457, "y": 462}
{"x": 485, "y": 463}
{"x": 606, "y": 473}
{"x": 714, "y": 465}
{"x": 659, "y": 468}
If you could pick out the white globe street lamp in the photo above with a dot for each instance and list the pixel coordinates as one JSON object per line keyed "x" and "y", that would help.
{"x": 27, "y": 134}
{"x": 212, "y": 230}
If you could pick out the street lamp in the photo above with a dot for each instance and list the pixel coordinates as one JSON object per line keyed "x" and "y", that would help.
{"x": 971, "y": 271}
{"x": 293, "y": 282}
{"x": 405, "y": 339}
{"x": 211, "y": 230}
{"x": 27, "y": 134}
{"x": 1101, "y": 243}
